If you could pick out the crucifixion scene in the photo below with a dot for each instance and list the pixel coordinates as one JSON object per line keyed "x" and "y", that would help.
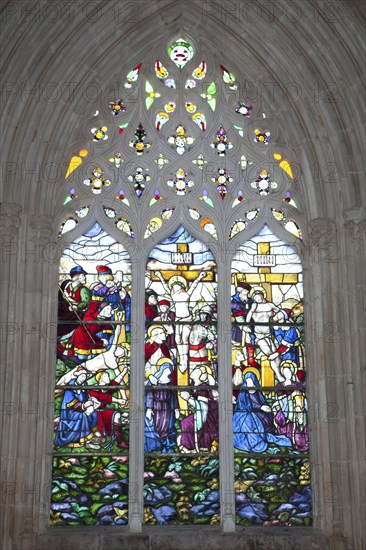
{"x": 268, "y": 365}
{"x": 181, "y": 347}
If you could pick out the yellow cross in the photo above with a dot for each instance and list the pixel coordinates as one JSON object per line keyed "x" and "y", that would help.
{"x": 265, "y": 278}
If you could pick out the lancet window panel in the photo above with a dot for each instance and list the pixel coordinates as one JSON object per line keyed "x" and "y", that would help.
{"x": 181, "y": 423}
{"x": 92, "y": 395}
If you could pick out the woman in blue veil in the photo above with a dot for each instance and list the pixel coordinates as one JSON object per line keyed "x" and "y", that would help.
{"x": 253, "y": 420}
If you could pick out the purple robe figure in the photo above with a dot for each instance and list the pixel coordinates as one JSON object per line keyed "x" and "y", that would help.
{"x": 160, "y": 405}
{"x": 200, "y": 428}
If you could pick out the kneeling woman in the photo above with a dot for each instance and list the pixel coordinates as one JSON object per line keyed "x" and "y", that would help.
{"x": 253, "y": 421}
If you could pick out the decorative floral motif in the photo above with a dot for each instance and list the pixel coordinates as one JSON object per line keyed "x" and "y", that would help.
{"x": 97, "y": 182}
{"x": 116, "y": 160}
{"x": 200, "y": 72}
{"x": 109, "y": 212}
{"x": 206, "y": 223}
{"x": 71, "y": 195}
{"x": 228, "y": 78}
{"x": 152, "y": 95}
{"x": 160, "y": 71}
{"x": 190, "y": 83}
{"x": 190, "y": 107}
{"x": 263, "y": 184}
{"x": 261, "y": 137}
{"x": 199, "y": 161}
{"x": 163, "y": 117}
{"x": 180, "y": 140}
{"x": 161, "y": 161}
{"x": 221, "y": 144}
{"x": 289, "y": 224}
{"x": 132, "y": 76}
{"x": 239, "y": 198}
{"x": 139, "y": 178}
{"x": 206, "y": 198}
{"x": 244, "y": 109}
{"x": 83, "y": 211}
{"x": 244, "y": 162}
{"x": 180, "y": 52}
{"x": 122, "y": 127}
{"x": 156, "y": 197}
{"x": 200, "y": 120}
{"x": 153, "y": 225}
{"x": 139, "y": 143}
{"x": 117, "y": 106}
{"x": 124, "y": 225}
{"x": 181, "y": 183}
{"x": 209, "y": 95}
{"x": 223, "y": 179}
{"x": 121, "y": 197}
{"x": 99, "y": 133}
{"x": 67, "y": 225}
{"x": 237, "y": 227}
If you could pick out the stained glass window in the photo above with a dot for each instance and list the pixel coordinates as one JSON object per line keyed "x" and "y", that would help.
{"x": 176, "y": 180}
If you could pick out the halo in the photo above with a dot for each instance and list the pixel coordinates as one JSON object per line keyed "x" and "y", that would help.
{"x": 289, "y": 364}
{"x": 164, "y": 360}
{"x": 253, "y": 370}
{"x": 177, "y": 279}
{"x": 289, "y": 303}
{"x": 99, "y": 374}
{"x": 257, "y": 290}
{"x": 153, "y": 327}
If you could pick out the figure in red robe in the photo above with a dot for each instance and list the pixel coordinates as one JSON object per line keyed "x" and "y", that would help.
{"x": 109, "y": 419}
{"x": 92, "y": 338}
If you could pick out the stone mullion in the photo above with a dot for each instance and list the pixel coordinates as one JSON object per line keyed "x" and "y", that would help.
{"x": 226, "y": 449}
{"x": 46, "y": 271}
{"x": 10, "y": 384}
{"x": 353, "y": 273}
{"x": 333, "y": 341}
{"x": 32, "y": 307}
{"x": 137, "y": 377}
{"x": 317, "y": 278}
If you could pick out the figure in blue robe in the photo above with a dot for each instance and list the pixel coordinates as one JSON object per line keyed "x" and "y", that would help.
{"x": 121, "y": 300}
{"x": 75, "y": 427}
{"x": 288, "y": 338}
{"x": 253, "y": 421}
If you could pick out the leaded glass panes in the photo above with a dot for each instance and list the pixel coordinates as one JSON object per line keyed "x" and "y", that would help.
{"x": 179, "y": 152}
{"x": 270, "y": 424}
{"x": 90, "y": 464}
{"x": 181, "y": 431}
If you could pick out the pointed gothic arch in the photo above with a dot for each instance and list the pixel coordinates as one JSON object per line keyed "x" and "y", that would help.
{"x": 323, "y": 206}
{"x": 154, "y": 158}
